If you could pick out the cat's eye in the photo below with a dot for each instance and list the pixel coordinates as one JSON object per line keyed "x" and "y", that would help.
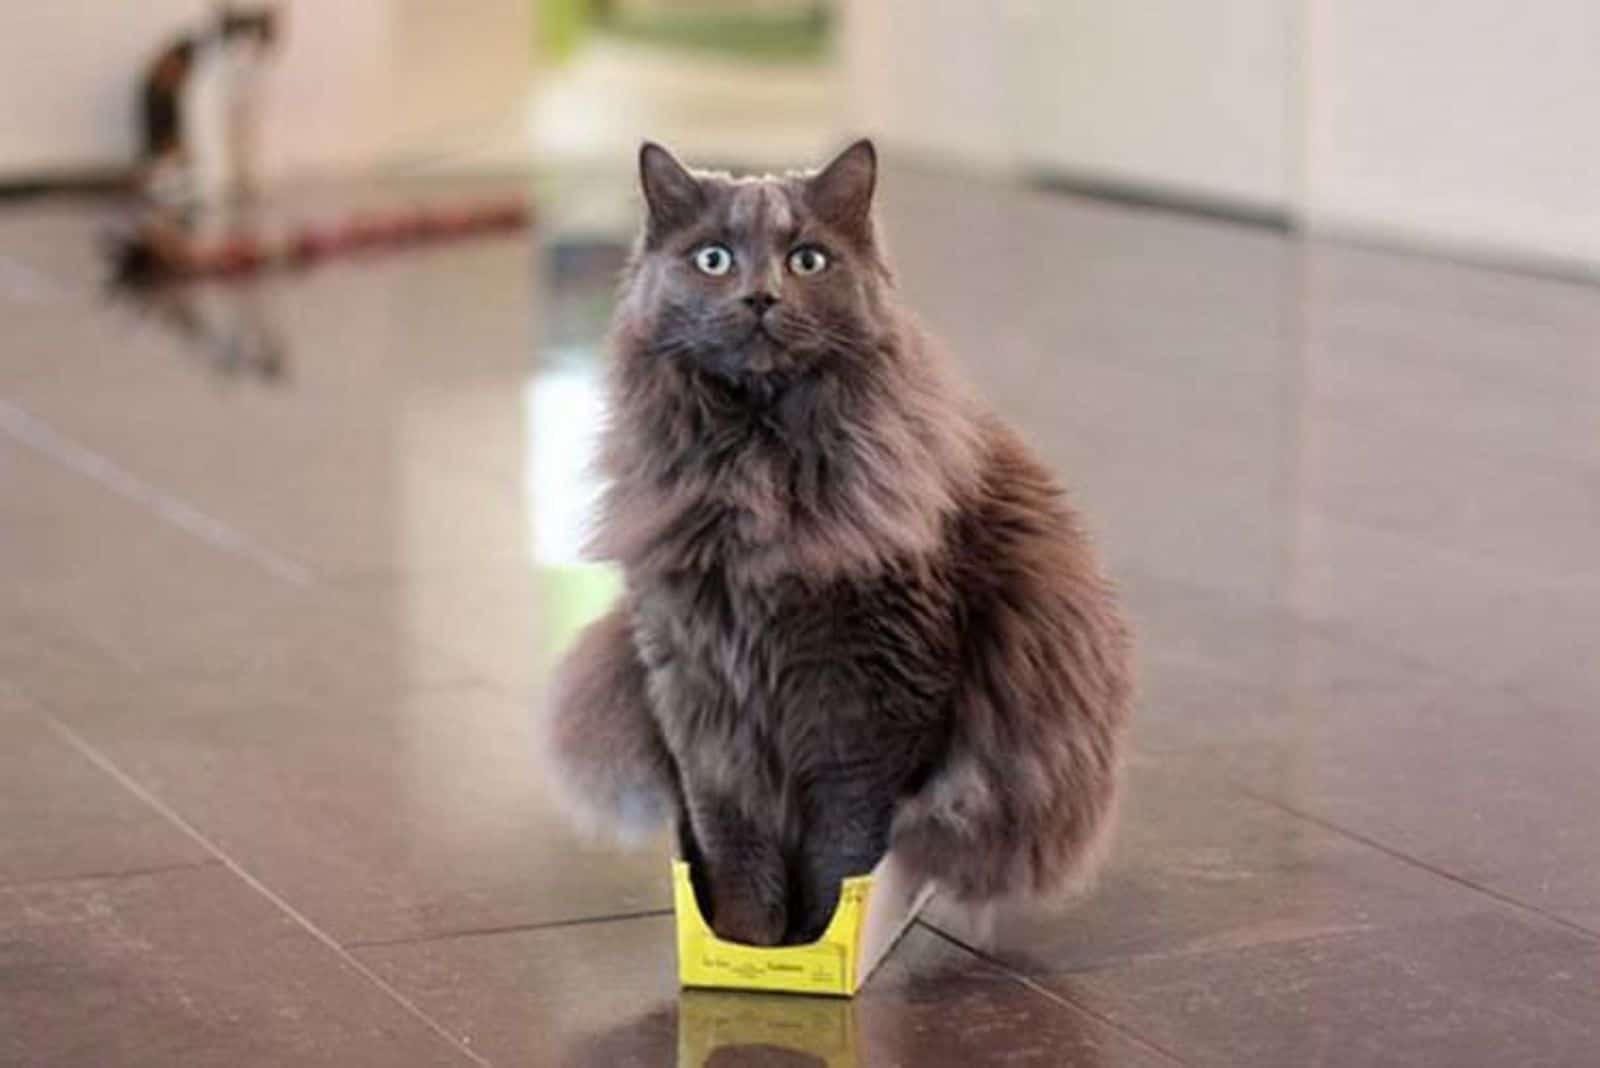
{"x": 714, "y": 260}
{"x": 807, "y": 259}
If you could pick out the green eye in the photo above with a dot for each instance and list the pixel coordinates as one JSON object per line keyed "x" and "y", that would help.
{"x": 807, "y": 259}
{"x": 714, "y": 260}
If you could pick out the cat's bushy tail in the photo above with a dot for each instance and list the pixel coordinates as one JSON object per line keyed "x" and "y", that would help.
{"x": 603, "y": 754}
{"x": 1024, "y": 802}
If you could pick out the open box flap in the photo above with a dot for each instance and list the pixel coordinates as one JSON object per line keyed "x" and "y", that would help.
{"x": 895, "y": 900}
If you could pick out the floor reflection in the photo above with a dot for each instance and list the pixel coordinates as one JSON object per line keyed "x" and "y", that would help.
{"x": 720, "y": 1029}
{"x": 564, "y": 406}
{"x": 726, "y": 1029}
{"x": 895, "y": 1023}
{"x": 231, "y": 330}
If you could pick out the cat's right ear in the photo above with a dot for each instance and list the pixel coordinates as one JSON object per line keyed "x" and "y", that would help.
{"x": 841, "y": 192}
{"x": 671, "y": 194}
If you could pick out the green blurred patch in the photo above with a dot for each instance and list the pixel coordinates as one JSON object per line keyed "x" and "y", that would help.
{"x": 573, "y": 596}
{"x": 559, "y": 27}
{"x": 791, "y": 37}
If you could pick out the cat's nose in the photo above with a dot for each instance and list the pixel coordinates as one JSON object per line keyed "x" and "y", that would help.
{"x": 759, "y": 302}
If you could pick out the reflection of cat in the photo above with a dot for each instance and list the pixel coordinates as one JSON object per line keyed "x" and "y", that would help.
{"x": 199, "y": 109}
{"x": 858, "y": 612}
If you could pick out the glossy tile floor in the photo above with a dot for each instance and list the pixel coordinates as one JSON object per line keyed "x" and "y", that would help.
{"x": 284, "y": 566}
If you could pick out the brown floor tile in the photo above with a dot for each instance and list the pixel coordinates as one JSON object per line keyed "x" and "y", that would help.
{"x": 606, "y": 994}
{"x": 1203, "y": 707}
{"x": 128, "y": 586}
{"x": 1461, "y": 617}
{"x": 1564, "y": 672}
{"x": 391, "y": 817}
{"x": 1217, "y": 671}
{"x": 335, "y": 490}
{"x": 1505, "y": 508}
{"x": 1466, "y": 347}
{"x": 186, "y": 967}
{"x": 393, "y": 447}
{"x": 1198, "y": 866}
{"x": 1484, "y": 989}
{"x": 1481, "y": 783}
{"x": 496, "y": 619}
{"x": 61, "y": 816}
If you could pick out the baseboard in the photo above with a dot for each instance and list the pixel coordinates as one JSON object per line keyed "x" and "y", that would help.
{"x": 1484, "y": 254}
{"x": 1160, "y": 198}
{"x": 77, "y": 181}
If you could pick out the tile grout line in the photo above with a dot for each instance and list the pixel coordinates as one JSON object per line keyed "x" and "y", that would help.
{"x": 1406, "y": 858}
{"x": 35, "y": 434}
{"x": 510, "y": 928}
{"x": 1053, "y": 996}
{"x": 105, "y": 764}
{"x": 42, "y": 438}
{"x": 105, "y": 876}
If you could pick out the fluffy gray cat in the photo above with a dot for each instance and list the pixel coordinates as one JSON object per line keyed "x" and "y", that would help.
{"x": 858, "y": 615}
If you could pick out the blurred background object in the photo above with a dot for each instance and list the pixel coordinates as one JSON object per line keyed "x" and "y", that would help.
{"x": 354, "y": 86}
{"x": 200, "y": 105}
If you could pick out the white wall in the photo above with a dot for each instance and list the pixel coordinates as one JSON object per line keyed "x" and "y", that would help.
{"x": 1195, "y": 97}
{"x": 1164, "y": 93}
{"x": 324, "y": 100}
{"x": 1464, "y": 124}
{"x": 67, "y": 71}
{"x": 356, "y": 83}
{"x": 934, "y": 78}
{"x": 457, "y": 71}
{"x": 1470, "y": 123}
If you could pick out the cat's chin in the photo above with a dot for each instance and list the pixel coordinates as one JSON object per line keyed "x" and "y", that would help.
{"x": 762, "y": 355}
{"x": 758, "y": 359}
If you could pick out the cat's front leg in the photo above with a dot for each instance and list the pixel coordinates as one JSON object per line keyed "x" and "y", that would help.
{"x": 742, "y": 869}
{"x": 847, "y": 833}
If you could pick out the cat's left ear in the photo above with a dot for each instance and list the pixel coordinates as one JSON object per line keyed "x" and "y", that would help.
{"x": 671, "y": 193}
{"x": 841, "y": 193}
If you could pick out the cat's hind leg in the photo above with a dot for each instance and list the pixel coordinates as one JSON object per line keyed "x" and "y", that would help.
{"x": 600, "y": 743}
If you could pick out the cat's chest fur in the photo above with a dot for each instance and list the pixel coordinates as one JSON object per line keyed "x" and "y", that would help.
{"x": 794, "y": 680}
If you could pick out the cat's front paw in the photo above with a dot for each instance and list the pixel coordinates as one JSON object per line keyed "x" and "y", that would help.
{"x": 810, "y": 929}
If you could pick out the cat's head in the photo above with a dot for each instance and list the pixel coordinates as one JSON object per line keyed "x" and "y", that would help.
{"x": 749, "y": 279}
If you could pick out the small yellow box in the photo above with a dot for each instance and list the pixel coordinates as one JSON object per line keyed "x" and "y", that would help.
{"x": 874, "y": 911}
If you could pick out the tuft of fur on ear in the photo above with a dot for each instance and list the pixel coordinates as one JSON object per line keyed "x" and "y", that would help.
{"x": 841, "y": 193}
{"x": 672, "y": 195}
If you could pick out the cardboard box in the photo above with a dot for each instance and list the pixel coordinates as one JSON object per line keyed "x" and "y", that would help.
{"x": 874, "y": 911}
